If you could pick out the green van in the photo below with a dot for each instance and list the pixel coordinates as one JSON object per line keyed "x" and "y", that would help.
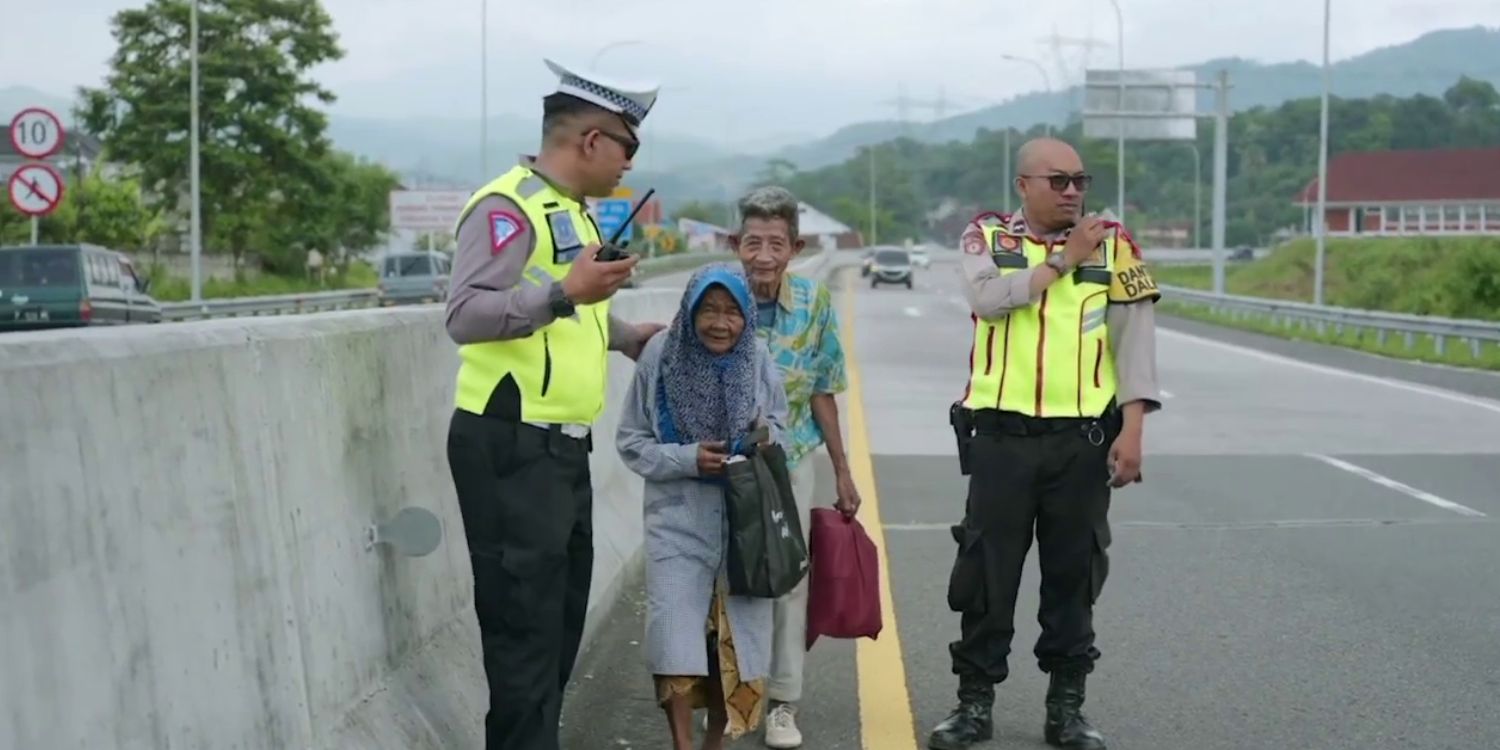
{"x": 67, "y": 286}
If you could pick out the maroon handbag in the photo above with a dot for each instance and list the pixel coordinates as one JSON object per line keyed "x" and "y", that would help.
{"x": 843, "y": 598}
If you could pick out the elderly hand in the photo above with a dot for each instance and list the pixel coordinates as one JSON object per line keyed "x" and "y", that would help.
{"x": 848, "y": 494}
{"x": 711, "y": 457}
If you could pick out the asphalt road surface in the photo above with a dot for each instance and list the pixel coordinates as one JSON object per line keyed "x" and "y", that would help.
{"x": 1312, "y": 562}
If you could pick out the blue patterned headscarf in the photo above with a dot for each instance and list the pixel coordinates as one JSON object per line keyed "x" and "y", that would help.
{"x": 706, "y": 396}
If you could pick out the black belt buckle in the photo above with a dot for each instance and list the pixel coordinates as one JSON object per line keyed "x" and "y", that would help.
{"x": 1097, "y": 429}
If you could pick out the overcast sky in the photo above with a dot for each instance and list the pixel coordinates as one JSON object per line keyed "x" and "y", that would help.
{"x": 752, "y": 69}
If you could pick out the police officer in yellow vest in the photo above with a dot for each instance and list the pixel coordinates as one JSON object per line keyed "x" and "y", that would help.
{"x": 1062, "y": 373}
{"x": 530, "y": 311}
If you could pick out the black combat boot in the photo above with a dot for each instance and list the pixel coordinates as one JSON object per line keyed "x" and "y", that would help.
{"x": 1066, "y": 726}
{"x": 970, "y": 722}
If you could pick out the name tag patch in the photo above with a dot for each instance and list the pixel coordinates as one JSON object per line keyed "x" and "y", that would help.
{"x": 564, "y": 234}
{"x": 1133, "y": 284}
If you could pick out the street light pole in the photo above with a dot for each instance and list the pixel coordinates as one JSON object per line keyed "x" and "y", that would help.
{"x": 1322, "y": 213}
{"x": 1197, "y": 195}
{"x": 1046, "y": 79}
{"x": 1009, "y": 180}
{"x": 484, "y": 89}
{"x": 872, "y": 194}
{"x": 1120, "y": 133}
{"x": 195, "y": 231}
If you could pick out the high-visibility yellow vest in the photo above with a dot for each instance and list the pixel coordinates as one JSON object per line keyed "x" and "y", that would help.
{"x": 1053, "y": 358}
{"x": 561, "y": 368}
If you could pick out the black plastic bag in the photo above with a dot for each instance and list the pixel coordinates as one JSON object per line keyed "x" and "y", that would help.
{"x": 767, "y": 553}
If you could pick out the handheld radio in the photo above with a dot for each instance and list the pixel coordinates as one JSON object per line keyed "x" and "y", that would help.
{"x": 612, "y": 250}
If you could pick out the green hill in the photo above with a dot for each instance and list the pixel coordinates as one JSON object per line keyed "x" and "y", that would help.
{"x": 1452, "y": 277}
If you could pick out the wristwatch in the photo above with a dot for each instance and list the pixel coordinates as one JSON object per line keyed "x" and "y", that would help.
{"x": 1058, "y": 263}
{"x": 558, "y": 302}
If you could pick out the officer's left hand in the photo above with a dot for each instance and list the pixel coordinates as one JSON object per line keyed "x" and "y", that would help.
{"x": 848, "y": 495}
{"x": 643, "y": 333}
{"x": 1125, "y": 457}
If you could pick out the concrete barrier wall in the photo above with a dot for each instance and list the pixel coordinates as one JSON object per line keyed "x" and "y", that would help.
{"x": 183, "y": 519}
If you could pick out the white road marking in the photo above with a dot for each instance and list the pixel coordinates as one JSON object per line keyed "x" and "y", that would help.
{"x": 1167, "y": 394}
{"x": 1474, "y": 401}
{"x": 1406, "y": 489}
{"x": 1283, "y": 523}
{"x": 913, "y": 312}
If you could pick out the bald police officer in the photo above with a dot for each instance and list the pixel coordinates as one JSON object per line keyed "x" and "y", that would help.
{"x": 529, "y": 309}
{"x": 1063, "y": 371}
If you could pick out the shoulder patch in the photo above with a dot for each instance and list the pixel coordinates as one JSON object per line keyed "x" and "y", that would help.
{"x": 1009, "y": 243}
{"x": 504, "y": 227}
{"x": 973, "y": 240}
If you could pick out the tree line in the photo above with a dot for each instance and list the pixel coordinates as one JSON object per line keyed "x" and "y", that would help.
{"x": 927, "y": 191}
{"x": 272, "y": 186}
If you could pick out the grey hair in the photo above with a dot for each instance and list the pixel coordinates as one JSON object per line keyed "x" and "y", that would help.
{"x": 771, "y": 202}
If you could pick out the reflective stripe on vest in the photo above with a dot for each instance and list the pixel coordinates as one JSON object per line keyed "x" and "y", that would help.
{"x": 1052, "y": 358}
{"x": 561, "y": 368}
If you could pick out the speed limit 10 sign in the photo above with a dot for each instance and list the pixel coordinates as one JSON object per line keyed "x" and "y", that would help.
{"x": 36, "y": 133}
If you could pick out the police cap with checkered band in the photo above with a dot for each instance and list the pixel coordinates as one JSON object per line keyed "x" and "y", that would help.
{"x": 632, "y": 100}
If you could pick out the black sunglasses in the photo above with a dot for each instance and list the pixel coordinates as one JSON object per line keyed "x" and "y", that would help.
{"x": 1059, "y": 182}
{"x": 629, "y": 144}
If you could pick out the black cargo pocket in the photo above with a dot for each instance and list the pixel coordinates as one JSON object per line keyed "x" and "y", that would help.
{"x": 528, "y": 579}
{"x": 966, "y": 589}
{"x": 1099, "y": 565}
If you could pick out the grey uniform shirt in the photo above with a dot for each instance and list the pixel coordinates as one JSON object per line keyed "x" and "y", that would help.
{"x": 488, "y": 299}
{"x": 1131, "y": 326}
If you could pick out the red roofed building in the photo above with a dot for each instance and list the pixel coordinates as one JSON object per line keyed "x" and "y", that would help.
{"x": 1440, "y": 191}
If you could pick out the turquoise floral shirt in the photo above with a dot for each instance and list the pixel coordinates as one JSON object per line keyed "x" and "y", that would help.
{"x": 803, "y": 337}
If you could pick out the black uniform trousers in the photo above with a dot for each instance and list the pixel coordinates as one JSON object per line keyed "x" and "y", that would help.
{"x": 527, "y": 508}
{"x": 1049, "y": 476}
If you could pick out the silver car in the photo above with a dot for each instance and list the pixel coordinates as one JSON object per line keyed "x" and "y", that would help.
{"x": 890, "y": 266}
{"x": 414, "y": 278}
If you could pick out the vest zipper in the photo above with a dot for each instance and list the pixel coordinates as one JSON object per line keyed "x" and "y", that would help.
{"x": 546, "y": 363}
{"x": 989, "y": 351}
{"x": 1041, "y": 353}
{"x": 1098, "y": 360}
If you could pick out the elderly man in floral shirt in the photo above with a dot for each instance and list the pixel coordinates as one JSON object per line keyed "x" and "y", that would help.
{"x": 799, "y": 324}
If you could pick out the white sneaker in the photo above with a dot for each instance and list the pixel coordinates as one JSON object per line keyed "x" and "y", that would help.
{"x": 781, "y": 728}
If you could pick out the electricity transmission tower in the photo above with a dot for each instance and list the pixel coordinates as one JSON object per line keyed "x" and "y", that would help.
{"x": 904, "y": 104}
{"x": 1072, "y": 66}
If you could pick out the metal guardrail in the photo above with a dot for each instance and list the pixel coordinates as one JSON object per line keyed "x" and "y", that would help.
{"x": 348, "y": 299}
{"x": 276, "y": 304}
{"x": 1287, "y": 313}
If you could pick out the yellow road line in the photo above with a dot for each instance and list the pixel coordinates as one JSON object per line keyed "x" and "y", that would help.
{"x": 885, "y": 714}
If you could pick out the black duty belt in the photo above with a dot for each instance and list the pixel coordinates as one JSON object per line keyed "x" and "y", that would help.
{"x": 996, "y": 422}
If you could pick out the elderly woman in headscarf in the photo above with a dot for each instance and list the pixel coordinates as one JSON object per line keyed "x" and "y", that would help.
{"x": 701, "y": 387}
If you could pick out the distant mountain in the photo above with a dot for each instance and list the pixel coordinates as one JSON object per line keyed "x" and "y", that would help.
{"x": 13, "y": 99}
{"x": 1427, "y": 65}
